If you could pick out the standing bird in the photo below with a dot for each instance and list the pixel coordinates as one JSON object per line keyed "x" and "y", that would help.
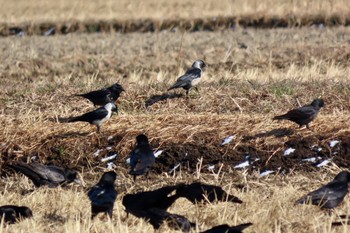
{"x": 98, "y": 116}
{"x": 46, "y": 174}
{"x": 303, "y": 115}
{"x": 11, "y": 213}
{"x": 142, "y": 157}
{"x": 103, "y": 195}
{"x": 191, "y": 78}
{"x": 330, "y": 195}
{"x": 105, "y": 95}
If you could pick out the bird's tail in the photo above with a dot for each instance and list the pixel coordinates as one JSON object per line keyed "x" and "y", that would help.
{"x": 241, "y": 227}
{"x": 67, "y": 119}
{"x": 281, "y": 117}
{"x": 25, "y": 170}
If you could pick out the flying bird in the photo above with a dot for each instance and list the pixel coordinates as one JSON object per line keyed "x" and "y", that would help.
{"x": 142, "y": 157}
{"x": 103, "y": 195}
{"x": 105, "y": 95}
{"x": 198, "y": 192}
{"x": 330, "y": 195}
{"x": 303, "y": 115}
{"x": 191, "y": 78}
{"x": 12, "y": 214}
{"x": 96, "y": 117}
{"x": 49, "y": 175}
{"x": 227, "y": 229}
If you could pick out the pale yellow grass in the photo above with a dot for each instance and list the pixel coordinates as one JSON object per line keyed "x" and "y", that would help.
{"x": 268, "y": 203}
{"x": 53, "y": 11}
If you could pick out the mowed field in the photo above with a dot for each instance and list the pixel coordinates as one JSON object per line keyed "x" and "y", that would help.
{"x": 252, "y": 75}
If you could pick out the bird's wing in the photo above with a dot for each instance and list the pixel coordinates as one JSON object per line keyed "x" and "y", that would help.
{"x": 93, "y": 115}
{"x": 331, "y": 191}
{"x": 101, "y": 196}
{"x": 50, "y": 173}
{"x": 185, "y": 79}
{"x": 301, "y": 113}
{"x": 26, "y": 170}
{"x": 145, "y": 160}
{"x": 99, "y": 94}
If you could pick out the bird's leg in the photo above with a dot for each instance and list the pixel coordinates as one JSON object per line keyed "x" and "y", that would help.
{"x": 134, "y": 178}
{"x": 197, "y": 89}
{"x": 187, "y": 92}
{"x": 98, "y": 129}
{"x": 110, "y": 213}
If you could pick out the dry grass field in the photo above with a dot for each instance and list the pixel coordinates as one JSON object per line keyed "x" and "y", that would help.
{"x": 252, "y": 75}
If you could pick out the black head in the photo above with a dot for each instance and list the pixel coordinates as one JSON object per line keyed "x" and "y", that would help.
{"x": 116, "y": 88}
{"x": 72, "y": 176}
{"x": 141, "y": 139}
{"x": 343, "y": 176}
{"x": 108, "y": 177}
{"x": 199, "y": 64}
{"x": 318, "y": 103}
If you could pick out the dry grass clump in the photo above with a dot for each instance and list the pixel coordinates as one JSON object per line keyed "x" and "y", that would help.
{"x": 268, "y": 203}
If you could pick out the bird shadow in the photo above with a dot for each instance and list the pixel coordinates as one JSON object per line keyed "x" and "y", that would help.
{"x": 156, "y": 98}
{"x": 275, "y": 132}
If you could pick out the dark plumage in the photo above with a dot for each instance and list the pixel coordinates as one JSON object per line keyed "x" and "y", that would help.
{"x": 142, "y": 157}
{"x": 152, "y": 206}
{"x": 103, "y": 195}
{"x": 105, "y": 95}
{"x": 98, "y": 116}
{"x": 12, "y": 213}
{"x": 198, "y": 192}
{"x": 191, "y": 78}
{"x": 303, "y": 115}
{"x": 330, "y": 195}
{"x": 46, "y": 174}
{"x": 227, "y": 229}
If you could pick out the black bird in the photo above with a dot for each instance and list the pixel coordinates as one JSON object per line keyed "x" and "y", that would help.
{"x": 105, "y": 95}
{"x": 97, "y": 117}
{"x": 103, "y": 195}
{"x": 330, "y": 195}
{"x": 198, "y": 192}
{"x": 46, "y": 174}
{"x": 11, "y": 213}
{"x": 142, "y": 157}
{"x": 191, "y": 78}
{"x": 227, "y": 229}
{"x": 303, "y": 115}
{"x": 152, "y": 206}
{"x": 159, "y": 198}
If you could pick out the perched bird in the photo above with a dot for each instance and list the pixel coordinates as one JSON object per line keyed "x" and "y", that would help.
{"x": 330, "y": 195}
{"x": 191, "y": 78}
{"x": 11, "y": 213}
{"x": 303, "y": 115}
{"x": 46, "y": 174}
{"x": 105, "y": 95}
{"x": 227, "y": 229}
{"x": 96, "y": 117}
{"x": 198, "y": 192}
{"x": 103, "y": 195}
{"x": 142, "y": 157}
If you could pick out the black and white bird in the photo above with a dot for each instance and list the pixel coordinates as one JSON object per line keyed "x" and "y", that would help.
{"x": 303, "y": 115}
{"x": 96, "y": 117}
{"x": 103, "y": 195}
{"x": 142, "y": 157}
{"x": 49, "y": 175}
{"x": 330, "y": 195}
{"x": 105, "y": 95}
{"x": 191, "y": 78}
{"x": 12, "y": 214}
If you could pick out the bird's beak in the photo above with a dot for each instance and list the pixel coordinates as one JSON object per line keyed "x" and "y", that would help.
{"x": 79, "y": 180}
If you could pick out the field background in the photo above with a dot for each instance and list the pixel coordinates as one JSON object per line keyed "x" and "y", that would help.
{"x": 253, "y": 74}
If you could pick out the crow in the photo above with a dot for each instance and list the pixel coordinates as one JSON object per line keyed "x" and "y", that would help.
{"x": 103, "y": 195}
{"x": 227, "y": 229}
{"x": 198, "y": 192}
{"x": 142, "y": 157}
{"x": 11, "y": 213}
{"x": 152, "y": 206}
{"x": 105, "y": 95}
{"x": 49, "y": 175}
{"x": 191, "y": 78}
{"x": 303, "y": 115}
{"x": 96, "y": 117}
{"x": 330, "y": 195}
